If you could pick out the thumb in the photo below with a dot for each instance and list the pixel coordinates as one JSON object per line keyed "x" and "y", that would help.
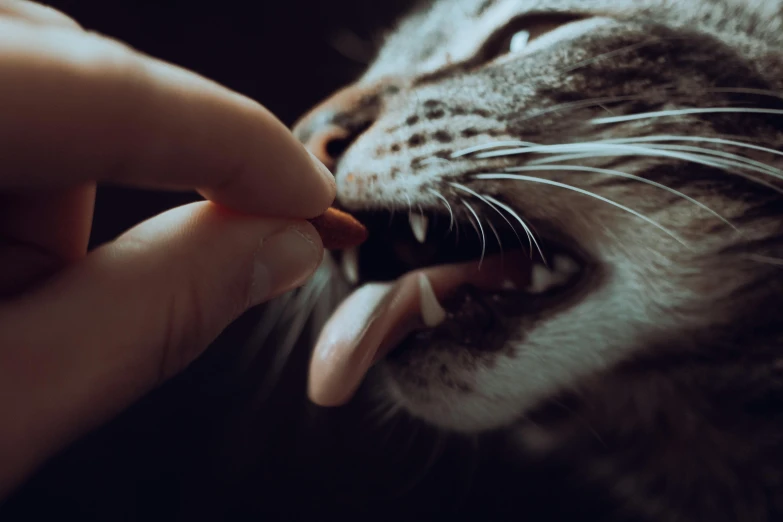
{"x": 130, "y": 315}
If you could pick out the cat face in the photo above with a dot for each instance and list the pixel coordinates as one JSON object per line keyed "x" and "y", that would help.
{"x": 629, "y": 148}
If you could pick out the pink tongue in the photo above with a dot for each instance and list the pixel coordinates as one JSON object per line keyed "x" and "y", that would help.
{"x": 377, "y": 316}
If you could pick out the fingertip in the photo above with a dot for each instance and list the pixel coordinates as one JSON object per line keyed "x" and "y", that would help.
{"x": 285, "y": 260}
{"x": 37, "y": 13}
{"x": 330, "y": 184}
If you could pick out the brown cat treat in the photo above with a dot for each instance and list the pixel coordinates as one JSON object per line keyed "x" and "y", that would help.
{"x": 339, "y": 230}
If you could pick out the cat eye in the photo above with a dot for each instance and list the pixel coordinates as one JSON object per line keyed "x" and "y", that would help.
{"x": 520, "y": 32}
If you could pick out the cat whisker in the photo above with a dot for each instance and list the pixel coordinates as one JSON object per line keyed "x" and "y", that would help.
{"x": 272, "y": 315}
{"x": 448, "y": 206}
{"x": 617, "y": 173}
{"x": 710, "y": 161}
{"x": 479, "y": 230}
{"x": 384, "y": 412}
{"x": 683, "y": 112}
{"x": 497, "y": 236}
{"x": 491, "y": 145}
{"x": 706, "y": 139}
{"x": 531, "y": 179}
{"x": 528, "y": 231}
{"x": 594, "y": 149}
{"x": 598, "y": 148}
{"x": 660, "y": 93}
{"x": 773, "y": 171}
{"x": 598, "y": 102}
{"x": 472, "y": 192}
{"x": 304, "y": 303}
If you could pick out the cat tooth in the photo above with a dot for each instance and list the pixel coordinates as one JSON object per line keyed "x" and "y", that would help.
{"x": 542, "y": 279}
{"x": 350, "y": 265}
{"x": 565, "y": 265}
{"x": 432, "y": 312}
{"x": 419, "y": 224}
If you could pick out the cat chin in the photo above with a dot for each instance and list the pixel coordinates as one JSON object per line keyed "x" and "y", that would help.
{"x": 467, "y": 412}
{"x": 466, "y": 391}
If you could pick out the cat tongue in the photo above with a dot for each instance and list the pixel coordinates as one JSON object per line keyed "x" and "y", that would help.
{"x": 378, "y": 316}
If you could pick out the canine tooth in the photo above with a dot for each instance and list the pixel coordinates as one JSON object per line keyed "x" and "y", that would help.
{"x": 419, "y": 224}
{"x": 565, "y": 265}
{"x": 350, "y": 265}
{"x": 431, "y": 311}
{"x": 541, "y": 279}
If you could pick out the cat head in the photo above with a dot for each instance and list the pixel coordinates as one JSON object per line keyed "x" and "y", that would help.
{"x": 630, "y": 148}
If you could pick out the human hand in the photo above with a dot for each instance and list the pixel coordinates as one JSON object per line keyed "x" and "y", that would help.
{"x": 83, "y": 335}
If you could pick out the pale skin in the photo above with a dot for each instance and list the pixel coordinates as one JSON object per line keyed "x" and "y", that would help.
{"x": 84, "y": 335}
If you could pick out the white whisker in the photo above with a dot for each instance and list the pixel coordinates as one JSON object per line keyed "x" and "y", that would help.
{"x": 304, "y": 302}
{"x": 490, "y": 145}
{"x": 497, "y": 236}
{"x": 448, "y": 206}
{"x": 763, "y": 167}
{"x": 480, "y": 231}
{"x": 493, "y": 207}
{"x": 529, "y": 232}
{"x": 683, "y": 112}
{"x": 519, "y": 177}
{"x": 617, "y": 173}
{"x": 719, "y": 141}
{"x": 693, "y": 158}
{"x": 621, "y": 149}
{"x": 597, "y": 102}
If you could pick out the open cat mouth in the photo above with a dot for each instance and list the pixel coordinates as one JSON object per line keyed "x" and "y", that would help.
{"x": 400, "y": 243}
{"x": 424, "y": 278}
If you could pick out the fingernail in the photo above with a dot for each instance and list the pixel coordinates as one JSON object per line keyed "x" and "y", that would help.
{"x": 284, "y": 261}
{"x": 326, "y": 173}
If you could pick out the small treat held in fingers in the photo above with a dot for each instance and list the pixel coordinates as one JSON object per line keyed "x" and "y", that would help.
{"x": 339, "y": 230}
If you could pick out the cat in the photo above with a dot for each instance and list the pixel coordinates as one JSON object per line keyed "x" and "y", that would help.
{"x": 632, "y": 149}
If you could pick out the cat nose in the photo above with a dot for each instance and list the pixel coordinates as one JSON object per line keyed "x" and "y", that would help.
{"x": 332, "y": 126}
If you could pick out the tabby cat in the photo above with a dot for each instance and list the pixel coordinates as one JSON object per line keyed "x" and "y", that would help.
{"x": 616, "y": 166}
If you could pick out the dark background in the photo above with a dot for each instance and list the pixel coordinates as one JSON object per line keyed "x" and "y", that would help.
{"x": 154, "y": 461}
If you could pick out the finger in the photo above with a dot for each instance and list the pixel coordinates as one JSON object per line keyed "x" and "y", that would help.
{"x": 78, "y": 107}
{"x": 132, "y": 314}
{"x": 40, "y": 232}
{"x": 35, "y": 13}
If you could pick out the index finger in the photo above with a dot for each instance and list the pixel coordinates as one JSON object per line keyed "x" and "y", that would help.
{"x": 78, "y": 107}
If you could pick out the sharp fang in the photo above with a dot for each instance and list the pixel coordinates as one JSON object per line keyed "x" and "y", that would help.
{"x": 431, "y": 311}
{"x": 541, "y": 279}
{"x": 419, "y": 224}
{"x": 350, "y": 265}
